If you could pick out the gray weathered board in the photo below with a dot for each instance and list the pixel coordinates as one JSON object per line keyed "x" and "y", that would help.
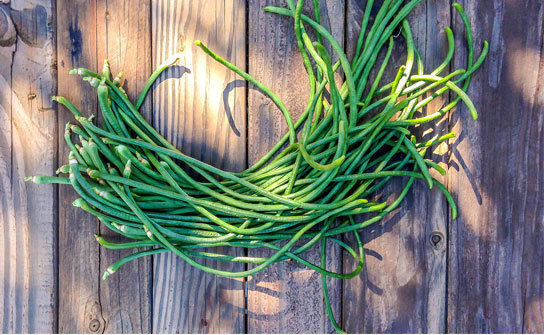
{"x": 483, "y": 272}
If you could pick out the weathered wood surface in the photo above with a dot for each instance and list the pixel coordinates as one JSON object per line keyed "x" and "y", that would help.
{"x": 200, "y": 106}
{"x": 403, "y": 286}
{"x": 286, "y": 297}
{"x": 28, "y": 132}
{"x": 88, "y": 33}
{"x": 496, "y": 272}
{"x": 124, "y": 38}
{"x": 79, "y": 270}
{"x": 486, "y": 273}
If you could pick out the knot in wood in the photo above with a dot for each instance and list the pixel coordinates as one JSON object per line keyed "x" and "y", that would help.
{"x": 437, "y": 240}
{"x": 94, "y": 325}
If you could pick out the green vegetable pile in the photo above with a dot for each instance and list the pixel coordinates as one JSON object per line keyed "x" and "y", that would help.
{"x": 309, "y": 189}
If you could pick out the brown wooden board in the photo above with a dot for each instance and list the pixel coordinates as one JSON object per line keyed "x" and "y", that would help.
{"x": 287, "y": 297}
{"x": 485, "y": 274}
{"x": 403, "y": 286}
{"x": 495, "y": 281}
{"x": 79, "y": 270}
{"x": 199, "y": 106}
{"x": 88, "y": 33}
{"x": 28, "y": 132}
{"x": 124, "y": 38}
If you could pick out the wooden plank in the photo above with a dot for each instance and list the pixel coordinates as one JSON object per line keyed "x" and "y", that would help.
{"x": 287, "y": 297}
{"x": 495, "y": 281}
{"x": 79, "y": 267}
{"x": 87, "y": 34}
{"x": 28, "y": 131}
{"x": 403, "y": 286}
{"x": 201, "y": 109}
{"x": 124, "y": 38}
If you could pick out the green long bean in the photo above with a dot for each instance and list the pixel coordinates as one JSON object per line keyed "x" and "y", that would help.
{"x": 352, "y": 138}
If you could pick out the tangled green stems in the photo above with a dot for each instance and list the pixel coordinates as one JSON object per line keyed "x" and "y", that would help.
{"x": 341, "y": 150}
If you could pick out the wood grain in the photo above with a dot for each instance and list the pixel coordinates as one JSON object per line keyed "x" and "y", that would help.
{"x": 88, "y": 34}
{"x": 287, "y": 297}
{"x": 124, "y": 38}
{"x": 28, "y": 131}
{"x": 199, "y": 106}
{"x": 496, "y": 269}
{"x": 79, "y": 264}
{"x": 403, "y": 286}
{"x": 485, "y": 274}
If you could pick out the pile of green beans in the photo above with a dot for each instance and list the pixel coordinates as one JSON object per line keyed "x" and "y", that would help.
{"x": 310, "y": 188}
